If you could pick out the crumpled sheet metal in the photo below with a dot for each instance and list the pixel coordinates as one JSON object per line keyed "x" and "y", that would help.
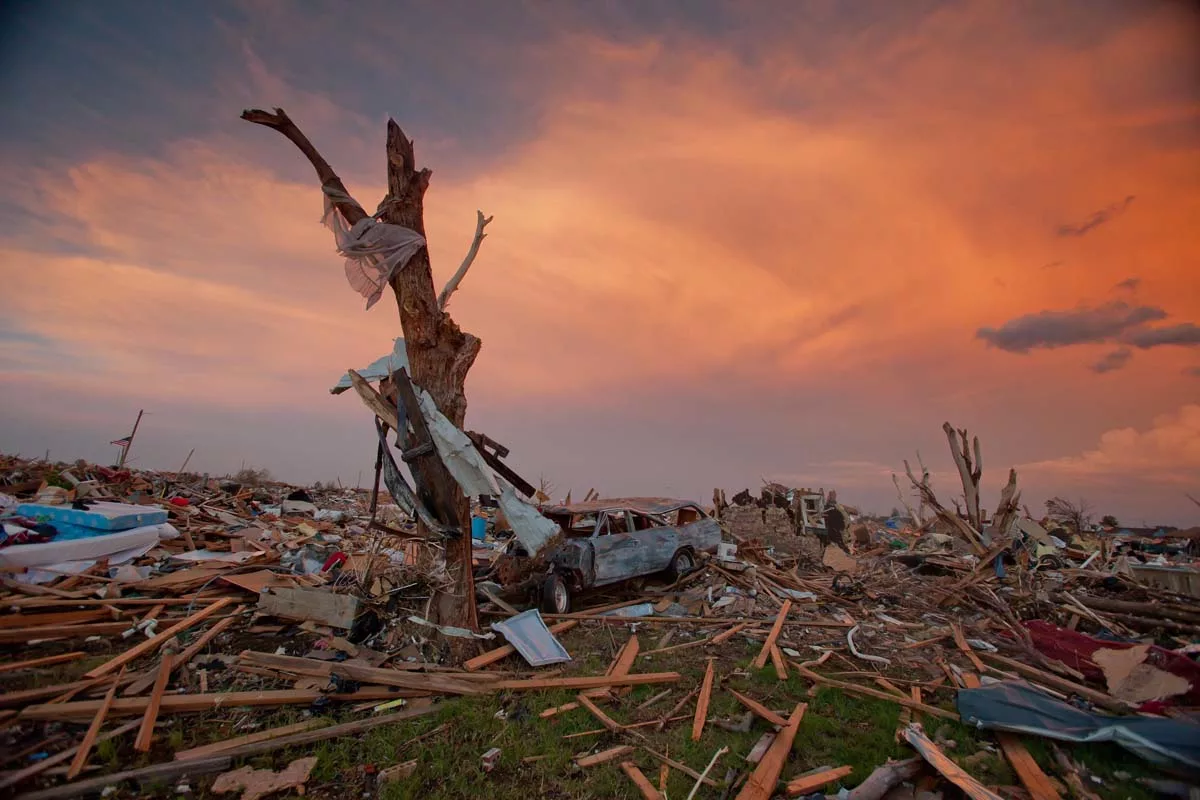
{"x": 527, "y": 632}
{"x": 472, "y": 473}
{"x": 378, "y": 369}
{"x": 1018, "y": 707}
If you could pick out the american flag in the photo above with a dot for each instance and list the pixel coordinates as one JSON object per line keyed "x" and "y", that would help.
{"x": 123, "y": 441}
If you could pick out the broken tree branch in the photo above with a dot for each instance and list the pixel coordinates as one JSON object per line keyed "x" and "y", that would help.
{"x": 960, "y": 449}
{"x": 481, "y": 222}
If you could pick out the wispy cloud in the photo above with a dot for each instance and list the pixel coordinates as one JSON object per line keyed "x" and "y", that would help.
{"x": 1084, "y": 325}
{"x": 1128, "y": 285}
{"x": 1097, "y": 219}
{"x": 1112, "y": 361}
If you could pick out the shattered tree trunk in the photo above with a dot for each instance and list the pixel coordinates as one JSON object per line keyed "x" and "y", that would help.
{"x": 970, "y": 473}
{"x": 439, "y": 352}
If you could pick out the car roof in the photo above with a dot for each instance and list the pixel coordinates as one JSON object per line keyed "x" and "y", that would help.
{"x": 643, "y": 505}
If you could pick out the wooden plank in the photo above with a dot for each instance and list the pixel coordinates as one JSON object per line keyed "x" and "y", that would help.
{"x": 854, "y": 687}
{"x": 702, "y": 702}
{"x": 641, "y": 781}
{"x": 89, "y": 738}
{"x": 354, "y": 728}
{"x": 153, "y": 642}
{"x": 1062, "y": 684}
{"x": 806, "y": 784}
{"x": 684, "y": 768}
{"x": 251, "y": 738}
{"x": 961, "y": 641}
{"x": 1036, "y": 782}
{"x": 766, "y": 775}
{"x": 725, "y": 636}
{"x": 184, "y": 703}
{"x": 316, "y": 605}
{"x": 585, "y": 681}
{"x": 44, "y": 661}
{"x": 565, "y": 707}
{"x": 146, "y": 681}
{"x": 595, "y": 711}
{"x": 146, "y": 732}
{"x": 492, "y": 656}
{"x": 23, "y": 635}
{"x": 759, "y": 709}
{"x": 604, "y": 756}
{"x": 760, "y": 660}
{"x": 60, "y": 618}
{"x": 41, "y": 766}
{"x": 429, "y": 682}
{"x": 681, "y": 646}
{"x": 778, "y": 662}
{"x": 621, "y": 664}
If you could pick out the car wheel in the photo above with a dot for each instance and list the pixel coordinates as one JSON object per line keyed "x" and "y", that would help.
{"x": 556, "y": 596}
{"x": 683, "y": 563}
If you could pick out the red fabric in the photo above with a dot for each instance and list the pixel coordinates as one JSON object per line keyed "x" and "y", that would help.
{"x": 179, "y": 501}
{"x": 1075, "y": 650}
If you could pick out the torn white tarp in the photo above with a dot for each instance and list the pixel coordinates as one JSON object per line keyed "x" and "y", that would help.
{"x": 456, "y": 450}
{"x": 528, "y": 525}
{"x": 378, "y": 369}
{"x": 374, "y": 250}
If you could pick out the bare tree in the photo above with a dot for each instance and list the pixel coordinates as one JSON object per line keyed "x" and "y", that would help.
{"x": 439, "y": 352}
{"x": 968, "y": 471}
{"x": 1075, "y": 515}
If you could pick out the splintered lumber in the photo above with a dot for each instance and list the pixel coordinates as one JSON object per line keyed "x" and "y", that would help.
{"x": 143, "y": 683}
{"x": 759, "y": 709}
{"x": 584, "y": 681}
{"x": 89, "y": 739}
{"x": 604, "y": 756}
{"x": 766, "y": 775}
{"x": 44, "y": 661}
{"x": 681, "y": 646}
{"x": 1036, "y": 782}
{"x": 854, "y": 687}
{"x": 961, "y": 641}
{"x": 184, "y": 703}
{"x": 641, "y": 781}
{"x": 684, "y": 768}
{"x": 146, "y": 733}
{"x": 59, "y": 618}
{"x": 41, "y": 766}
{"x": 621, "y": 664}
{"x": 153, "y": 773}
{"x": 725, "y": 636}
{"x": 662, "y": 723}
{"x": 702, "y": 702}
{"x": 595, "y": 711}
{"x": 500, "y": 653}
{"x": 760, "y": 660}
{"x": 778, "y": 662}
{"x": 948, "y": 769}
{"x": 550, "y": 712}
{"x": 345, "y": 729}
{"x": 435, "y": 683}
{"x": 806, "y": 784}
{"x": 21, "y": 635}
{"x": 1062, "y": 684}
{"x": 156, "y": 640}
{"x": 252, "y": 738}
{"x": 652, "y": 700}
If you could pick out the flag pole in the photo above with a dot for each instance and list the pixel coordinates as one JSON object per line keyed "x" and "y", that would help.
{"x": 125, "y": 449}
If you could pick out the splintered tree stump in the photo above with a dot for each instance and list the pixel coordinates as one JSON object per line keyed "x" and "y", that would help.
{"x": 440, "y": 353}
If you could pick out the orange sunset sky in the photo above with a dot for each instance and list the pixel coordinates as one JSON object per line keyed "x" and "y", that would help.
{"x": 732, "y": 240}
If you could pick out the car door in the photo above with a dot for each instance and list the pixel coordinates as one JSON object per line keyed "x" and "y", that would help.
{"x": 657, "y": 543}
{"x": 616, "y": 551}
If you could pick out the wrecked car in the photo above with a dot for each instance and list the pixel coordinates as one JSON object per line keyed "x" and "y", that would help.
{"x": 608, "y": 541}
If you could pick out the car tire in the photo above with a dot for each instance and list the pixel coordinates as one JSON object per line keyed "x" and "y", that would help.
{"x": 556, "y": 595}
{"x": 682, "y": 563}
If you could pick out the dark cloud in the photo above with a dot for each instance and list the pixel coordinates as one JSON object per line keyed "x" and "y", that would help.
{"x": 1186, "y": 334}
{"x": 1050, "y": 329}
{"x": 1096, "y": 220}
{"x": 1129, "y": 284}
{"x": 1053, "y": 264}
{"x": 1193, "y": 371}
{"x": 1113, "y": 361}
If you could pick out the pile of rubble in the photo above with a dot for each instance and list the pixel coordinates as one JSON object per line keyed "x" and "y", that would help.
{"x": 184, "y": 594}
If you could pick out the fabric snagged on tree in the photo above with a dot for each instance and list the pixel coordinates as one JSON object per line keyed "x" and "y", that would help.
{"x": 374, "y": 250}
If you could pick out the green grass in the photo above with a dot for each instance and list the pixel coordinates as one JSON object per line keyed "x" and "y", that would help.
{"x": 837, "y": 729}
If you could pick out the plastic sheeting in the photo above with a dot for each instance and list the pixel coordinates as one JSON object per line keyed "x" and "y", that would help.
{"x": 374, "y": 250}
{"x": 528, "y": 525}
{"x": 1018, "y": 707}
{"x": 94, "y": 547}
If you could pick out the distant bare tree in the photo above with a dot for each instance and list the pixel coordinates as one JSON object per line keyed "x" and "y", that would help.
{"x": 1077, "y": 515}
